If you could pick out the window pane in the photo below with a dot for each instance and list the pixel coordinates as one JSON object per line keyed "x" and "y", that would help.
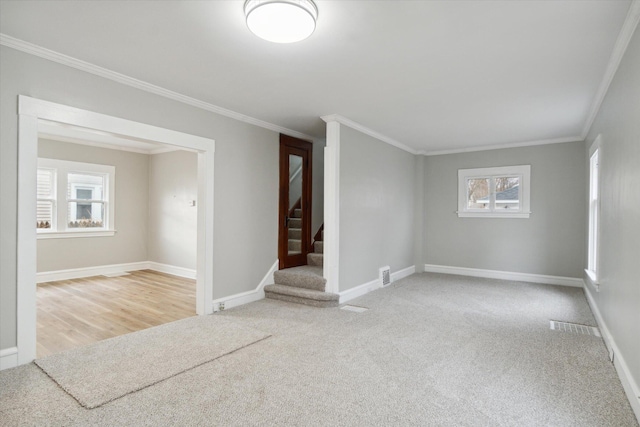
{"x": 44, "y": 214}
{"x": 86, "y": 215}
{"x": 85, "y": 186}
{"x": 478, "y": 193}
{"x": 507, "y": 193}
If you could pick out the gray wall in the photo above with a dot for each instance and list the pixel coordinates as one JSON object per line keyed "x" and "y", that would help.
{"x": 246, "y": 170}
{"x": 619, "y": 124}
{"x": 132, "y": 187}
{"x": 550, "y": 242}
{"x": 377, "y": 196}
{"x": 173, "y": 222}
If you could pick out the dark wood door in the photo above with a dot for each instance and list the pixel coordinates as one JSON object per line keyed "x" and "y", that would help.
{"x": 294, "y": 230}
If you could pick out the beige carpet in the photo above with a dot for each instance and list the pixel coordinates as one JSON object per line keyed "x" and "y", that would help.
{"x": 432, "y": 350}
{"x": 105, "y": 371}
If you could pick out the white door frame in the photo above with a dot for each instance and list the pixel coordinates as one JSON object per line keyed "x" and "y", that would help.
{"x": 30, "y": 111}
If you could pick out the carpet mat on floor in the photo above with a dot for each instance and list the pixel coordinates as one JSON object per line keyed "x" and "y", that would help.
{"x": 108, "y": 370}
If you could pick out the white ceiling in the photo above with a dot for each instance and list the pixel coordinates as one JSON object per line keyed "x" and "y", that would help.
{"x": 432, "y": 75}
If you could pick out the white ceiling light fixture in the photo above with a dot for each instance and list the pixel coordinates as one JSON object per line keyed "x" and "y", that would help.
{"x": 281, "y": 21}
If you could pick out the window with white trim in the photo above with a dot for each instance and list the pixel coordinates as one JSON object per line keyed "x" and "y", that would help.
{"x": 594, "y": 211}
{"x": 74, "y": 199}
{"x": 500, "y": 192}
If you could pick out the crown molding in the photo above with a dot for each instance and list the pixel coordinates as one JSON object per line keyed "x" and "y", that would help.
{"x": 81, "y": 65}
{"x": 629, "y": 26}
{"x": 361, "y": 128}
{"x": 503, "y": 146}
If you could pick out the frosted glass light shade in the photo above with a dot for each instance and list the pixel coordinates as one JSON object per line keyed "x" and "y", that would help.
{"x": 281, "y": 21}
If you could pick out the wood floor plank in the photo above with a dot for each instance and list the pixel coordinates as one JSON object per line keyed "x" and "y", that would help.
{"x": 78, "y": 312}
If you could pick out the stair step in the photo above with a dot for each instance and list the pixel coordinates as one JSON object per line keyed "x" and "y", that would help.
{"x": 295, "y": 245}
{"x": 305, "y": 276}
{"x": 295, "y": 233}
{"x": 318, "y": 247}
{"x": 315, "y": 259}
{"x": 301, "y": 296}
{"x": 297, "y": 213}
{"x": 295, "y": 223}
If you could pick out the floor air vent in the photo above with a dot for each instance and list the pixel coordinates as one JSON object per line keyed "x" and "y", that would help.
{"x": 574, "y": 328}
{"x": 385, "y": 275}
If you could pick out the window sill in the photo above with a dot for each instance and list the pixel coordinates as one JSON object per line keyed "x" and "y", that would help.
{"x": 523, "y": 215}
{"x": 75, "y": 234}
{"x": 592, "y": 279}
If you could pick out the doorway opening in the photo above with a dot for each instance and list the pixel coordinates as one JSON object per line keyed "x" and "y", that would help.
{"x": 33, "y": 114}
{"x": 294, "y": 230}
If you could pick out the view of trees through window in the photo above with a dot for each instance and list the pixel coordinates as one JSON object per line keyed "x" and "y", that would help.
{"x": 506, "y": 190}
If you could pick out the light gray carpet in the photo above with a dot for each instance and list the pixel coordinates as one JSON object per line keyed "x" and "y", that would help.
{"x": 105, "y": 371}
{"x": 432, "y": 350}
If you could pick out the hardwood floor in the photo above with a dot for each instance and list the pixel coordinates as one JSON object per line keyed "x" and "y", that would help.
{"x": 73, "y": 313}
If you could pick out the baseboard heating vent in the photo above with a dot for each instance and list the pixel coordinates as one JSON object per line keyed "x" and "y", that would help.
{"x": 574, "y": 328}
{"x": 385, "y": 275}
{"x": 354, "y": 308}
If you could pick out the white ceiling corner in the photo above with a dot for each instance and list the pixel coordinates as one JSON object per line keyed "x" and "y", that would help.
{"x": 622, "y": 42}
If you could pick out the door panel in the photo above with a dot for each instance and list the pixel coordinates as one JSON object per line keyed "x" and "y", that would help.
{"x": 294, "y": 229}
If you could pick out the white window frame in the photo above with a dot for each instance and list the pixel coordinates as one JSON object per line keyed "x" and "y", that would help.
{"x": 59, "y": 228}
{"x": 595, "y": 158}
{"x": 523, "y": 172}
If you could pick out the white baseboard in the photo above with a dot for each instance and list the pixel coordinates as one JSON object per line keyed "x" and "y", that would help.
{"x": 360, "y": 290}
{"x": 505, "y": 275}
{"x": 365, "y": 288}
{"x": 249, "y": 296}
{"x": 78, "y": 273}
{"x": 8, "y": 358}
{"x": 628, "y": 383}
{"x": 401, "y": 274}
{"x": 172, "y": 269}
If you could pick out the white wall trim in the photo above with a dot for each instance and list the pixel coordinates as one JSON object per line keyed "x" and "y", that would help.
{"x": 331, "y": 248}
{"x": 367, "y": 131}
{"x": 8, "y": 358}
{"x": 503, "y": 146}
{"x": 365, "y": 288}
{"x": 505, "y": 275}
{"x": 249, "y": 296}
{"x": 188, "y": 273}
{"x": 628, "y": 384}
{"x": 622, "y": 43}
{"x": 360, "y": 290}
{"x": 30, "y": 112}
{"x": 78, "y": 64}
{"x": 99, "y": 270}
{"x": 401, "y": 274}
{"x": 79, "y": 273}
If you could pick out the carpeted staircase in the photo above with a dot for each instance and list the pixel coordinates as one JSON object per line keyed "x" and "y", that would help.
{"x": 303, "y": 284}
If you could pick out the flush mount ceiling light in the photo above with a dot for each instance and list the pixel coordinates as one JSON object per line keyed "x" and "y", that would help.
{"x": 281, "y": 21}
